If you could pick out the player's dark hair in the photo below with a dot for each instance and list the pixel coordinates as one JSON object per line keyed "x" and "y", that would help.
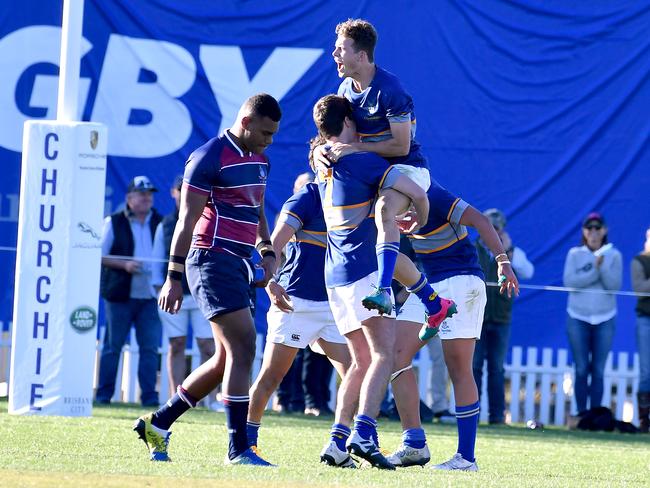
{"x": 264, "y": 105}
{"x": 362, "y": 33}
{"x": 314, "y": 142}
{"x": 330, "y": 113}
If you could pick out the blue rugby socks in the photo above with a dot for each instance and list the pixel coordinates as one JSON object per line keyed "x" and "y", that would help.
{"x": 252, "y": 431}
{"x": 386, "y": 259}
{"x": 415, "y": 438}
{"x": 339, "y": 434}
{"x": 366, "y": 427}
{"x": 467, "y": 420}
{"x": 427, "y": 295}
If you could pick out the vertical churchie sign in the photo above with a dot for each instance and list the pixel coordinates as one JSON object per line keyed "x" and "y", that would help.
{"x": 58, "y": 268}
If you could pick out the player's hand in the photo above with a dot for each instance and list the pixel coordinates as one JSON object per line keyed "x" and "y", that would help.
{"x": 408, "y": 222}
{"x": 508, "y": 282}
{"x": 321, "y": 160}
{"x": 268, "y": 265}
{"x": 132, "y": 267}
{"x": 171, "y": 296}
{"x": 279, "y": 297}
{"x": 338, "y": 150}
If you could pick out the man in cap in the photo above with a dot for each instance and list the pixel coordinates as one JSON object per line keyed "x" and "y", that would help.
{"x": 127, "y": 243}
{"x": 495, "y": 334}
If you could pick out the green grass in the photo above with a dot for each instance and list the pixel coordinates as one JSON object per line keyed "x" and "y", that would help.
{"x": 103, "y": 451}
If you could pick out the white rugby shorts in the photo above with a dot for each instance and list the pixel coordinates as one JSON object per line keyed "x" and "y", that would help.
{"x": 345, "y": 302}
{"x": 418, "y": 175}
{"x": 468, "y": 291}
{"x": 309, "y": 321}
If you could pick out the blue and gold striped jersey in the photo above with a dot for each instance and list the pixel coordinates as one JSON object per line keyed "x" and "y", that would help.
{"x": 302, "y": 274}
{"x": 348, "y": 193}
{"x": 383, "y": 102}
{"x": 442, "y": 245}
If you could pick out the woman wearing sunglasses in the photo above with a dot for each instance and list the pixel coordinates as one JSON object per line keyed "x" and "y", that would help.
{"x": 594, "y": 265}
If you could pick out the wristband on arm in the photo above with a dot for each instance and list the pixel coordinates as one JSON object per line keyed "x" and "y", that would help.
{"x": 265, "y": 248}
{"x": 176, "y": 267}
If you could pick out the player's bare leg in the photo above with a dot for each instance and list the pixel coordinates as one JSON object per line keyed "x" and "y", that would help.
{"x": 208, "y": 376}
{"x": 276, "y": 363}
{"x": 363, "y": 442}
{"x": 236, "y": 331}
{"x": 334, "y": 453}
{"x": 338, "y": 354}
{"x": 413, "y": 449}
{"x": 458, "y": 356}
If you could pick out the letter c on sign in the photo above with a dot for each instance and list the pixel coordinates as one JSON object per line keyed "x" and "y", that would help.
{"x": 42, "y": 297}
{"x": 54, "y": 153}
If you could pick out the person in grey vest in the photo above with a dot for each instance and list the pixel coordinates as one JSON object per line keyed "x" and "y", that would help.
{"x": 640, "y": 271}
{"x": 596, "y": 265}
{"x": 495, "y": 334}
{"x": 176, "y": 326}
{"x": 126, "y": 286}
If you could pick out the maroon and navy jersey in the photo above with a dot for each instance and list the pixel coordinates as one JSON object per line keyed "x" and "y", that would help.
{"x": 234, "y": 182}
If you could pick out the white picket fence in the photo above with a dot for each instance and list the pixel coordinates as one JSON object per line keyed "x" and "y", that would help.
{"x": 543, "y": 390}
{"x": 538, "y": 389}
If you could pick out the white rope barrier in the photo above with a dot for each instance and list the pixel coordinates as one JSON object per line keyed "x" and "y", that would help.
{"x": 581, "y": 290}
{"x": 565, "y": 289}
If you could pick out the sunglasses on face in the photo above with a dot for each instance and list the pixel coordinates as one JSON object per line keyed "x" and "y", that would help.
{"x": 594, "y": 227}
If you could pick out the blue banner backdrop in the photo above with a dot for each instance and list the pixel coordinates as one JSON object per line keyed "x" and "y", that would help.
{"x": 536, "y": 107}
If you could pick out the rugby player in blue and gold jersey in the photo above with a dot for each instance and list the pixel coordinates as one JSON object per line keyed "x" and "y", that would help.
{"x": 348, "y": 191}
{"x": 221, "y": 218}
{"x": 300, "y": 314}
{"x": 385, "y": 118}
{"x": 450, "y": 262}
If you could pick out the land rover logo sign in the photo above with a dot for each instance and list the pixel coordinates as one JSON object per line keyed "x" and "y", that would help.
{"x": 83, "y": 319}
{"x": 94, "y": 139}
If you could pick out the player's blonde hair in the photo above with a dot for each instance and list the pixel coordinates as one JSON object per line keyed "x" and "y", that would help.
{"x": 362, "y": 33}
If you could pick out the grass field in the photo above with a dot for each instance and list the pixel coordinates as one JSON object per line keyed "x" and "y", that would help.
{"x": 103, "y": 451}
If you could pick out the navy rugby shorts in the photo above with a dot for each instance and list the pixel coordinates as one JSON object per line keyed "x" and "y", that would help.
{"x": 219, "y": 282}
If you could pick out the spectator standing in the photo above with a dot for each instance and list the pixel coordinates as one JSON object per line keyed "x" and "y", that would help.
{"x": 176, "y": 326}
{"x": 640, "y": 269}
{"x": 595, "y": 265}
{"x": 127, "y": 289}
{"x": 495, "y": 334}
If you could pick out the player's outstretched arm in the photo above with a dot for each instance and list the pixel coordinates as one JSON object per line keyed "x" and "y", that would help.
{"x": 191, "y": 207}
{"x": 507, "y": 279}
